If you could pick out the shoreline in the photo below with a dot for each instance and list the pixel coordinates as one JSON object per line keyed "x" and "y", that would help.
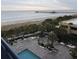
{"x": 15, "y": 24}
{"x": 3, "y": 23}
{"x": 6, "y": 25}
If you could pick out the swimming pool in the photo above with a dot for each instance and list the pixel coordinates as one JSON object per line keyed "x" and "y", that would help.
{"x": 27, "y": 54}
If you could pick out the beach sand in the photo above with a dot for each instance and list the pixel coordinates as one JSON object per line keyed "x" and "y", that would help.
{"x": 15, "y": 24}
{"x": 12, "y": 26}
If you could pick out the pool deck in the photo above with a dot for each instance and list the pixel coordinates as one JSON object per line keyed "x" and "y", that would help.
{"x": 43, "y": 53}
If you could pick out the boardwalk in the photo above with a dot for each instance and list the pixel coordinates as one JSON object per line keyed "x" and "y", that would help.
{"x": 43, "y": 53}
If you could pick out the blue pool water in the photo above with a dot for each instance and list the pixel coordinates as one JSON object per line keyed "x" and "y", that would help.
{"x": 27, "y": 54}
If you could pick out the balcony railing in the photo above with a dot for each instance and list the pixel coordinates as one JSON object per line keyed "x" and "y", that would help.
{"x": 6, "y": 51}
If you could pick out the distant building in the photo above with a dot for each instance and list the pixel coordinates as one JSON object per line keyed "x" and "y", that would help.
{"x": 69, "y": 25}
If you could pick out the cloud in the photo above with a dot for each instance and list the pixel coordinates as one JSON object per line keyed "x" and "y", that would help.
{"x": 38, "y": 4}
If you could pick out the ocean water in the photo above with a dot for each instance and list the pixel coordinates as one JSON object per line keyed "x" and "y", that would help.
{"x": 7, "y": 16}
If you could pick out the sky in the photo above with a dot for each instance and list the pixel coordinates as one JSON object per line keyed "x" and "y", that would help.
{"x": 38, "y": 4}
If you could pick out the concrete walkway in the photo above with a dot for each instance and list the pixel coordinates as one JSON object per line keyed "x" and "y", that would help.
{"x": 43, "y": 53}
